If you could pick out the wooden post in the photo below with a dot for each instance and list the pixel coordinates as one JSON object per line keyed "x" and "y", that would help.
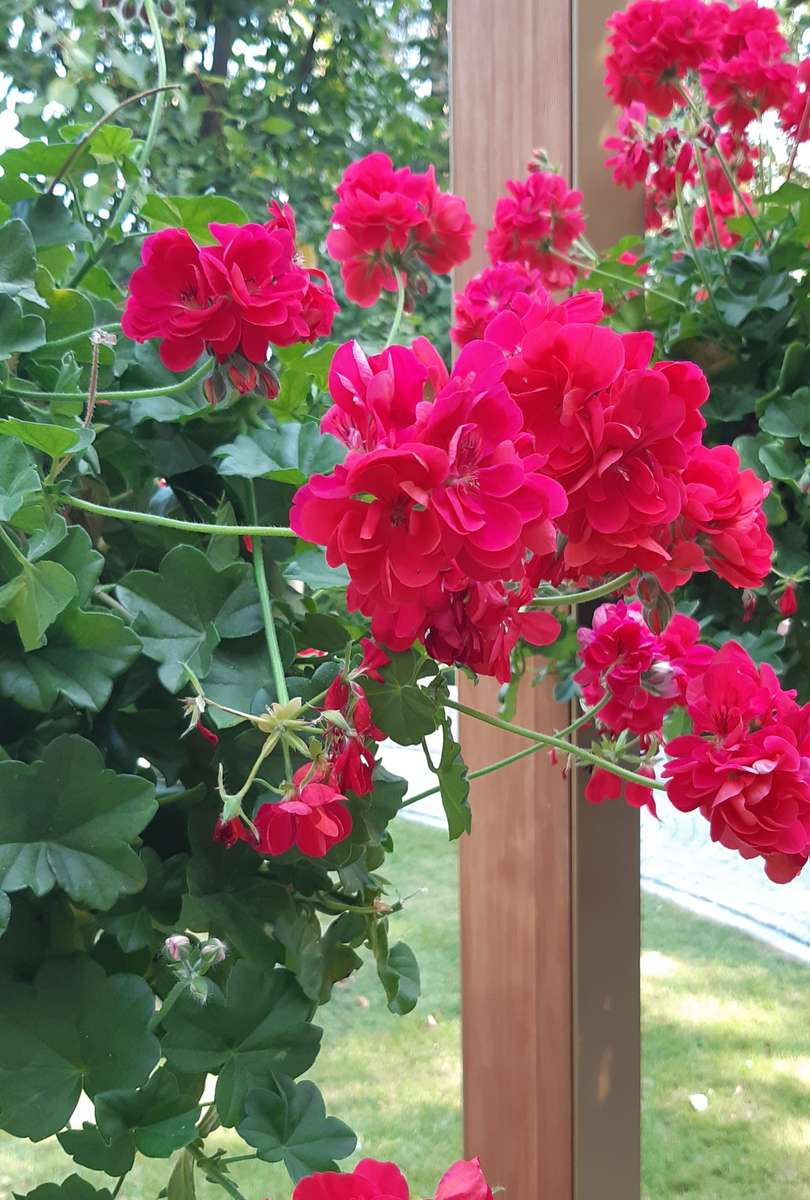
{"x": 549, "y": 884}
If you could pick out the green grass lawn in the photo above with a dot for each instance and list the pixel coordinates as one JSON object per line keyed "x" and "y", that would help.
{"x": 722, "y": 1016}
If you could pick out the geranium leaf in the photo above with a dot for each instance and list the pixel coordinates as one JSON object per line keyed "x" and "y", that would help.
{"x": 454, "y": 786}
{"x": 68, "y": 821}
{"x": 291, "y": 453}
{"x": 260, "y": 1025}
{"x": 72, "y": 1188}
{"x": 159, "y": 1117}
{"x": 19, "y": 331}
{"x": 18, "y": 260}
{"x": 34, "y": 598}
{"x": 19, "y": 481}
{"x": 406, "y": 712}
{"x": 89, "y": 1149}
{"x": 52, "y": 224}
{"x": 399, "y": 973}
{"x": 290, "y": 1125}
{"x": 85, "y": 653}
{"x": 53, "y": 440}
{"x": 130, "y": 921}
{"x": 73, "y": 1028}
{"x": 194, "y": 213}
{"x": 184, "y": 609}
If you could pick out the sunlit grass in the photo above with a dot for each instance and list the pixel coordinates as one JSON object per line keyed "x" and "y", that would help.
{"x": 723, "y": 1017}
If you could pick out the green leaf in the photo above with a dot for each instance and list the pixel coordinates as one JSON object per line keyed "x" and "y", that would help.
{"x": 194, "y": 213}
{"x": 130, "y": 921}
{"x": 54, "y": 440}
{"x": 84, "y": 655}
{"x": 69, "y": 313}
{"x": 399, "y": 974}
{"x": 52, "y": 224}
{"x": 781, "y": 461}
{"x": 181, "y": 1181}
{"x": 403, "y": 710}
{"x": 183, "y": 610}
{"x": 72, "y": 1029}
{"x": 454, "y": 785}
{"x": 19, "y": 332}
{"x": 158, "y": 1118}
{"x": 35, "y": 598}
{"x": 277, "y": 125}
{"x": 72, "y": 549}
{"x": 19, "y": 481}
{"x": 68, "y": 821}
{"x": 289, "y": 454}
{"x": 259, "y": 1026}
{"x": 72, "y": 1188}
{"x": 18, "y": 261}
{"x": 290, "y": 1125}
{"x": 89, "y": 1149}
{"x": 310, "y": 567}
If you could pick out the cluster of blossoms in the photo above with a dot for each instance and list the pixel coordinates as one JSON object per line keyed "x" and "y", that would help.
{"x": 313, "y": 814}
{"x": 388, "y": 221}
{"x": 553, "y": 451}
{"x": 233, "y": 299}
{"x": 746, "y": 764}
{"x": 536, "y": 224}
{"x": 658, "y": 50}
{"x": 373, "y": 1180}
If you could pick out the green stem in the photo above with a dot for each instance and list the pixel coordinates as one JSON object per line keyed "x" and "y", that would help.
{"x": 704, "y": 183}
{"x": 682, "y": 222}
{"x": 237, "y": 1158}
{"x": 545, "y": 739}
{"x": 725, "y": 166}
{"x": 642, "y": 285}
{"x": 603, "y": 589}
{"x": 400, "y": 309}
{"x": 518, "y": 755}
{"x": 14, "y": 549}
{"x": 168, "y": 1004}
{"x": 212, "y": 1172}
{"x": 202, "y": 527}
{"x": 169, "y": 389}
{"x": 270, "y": 634}
{"x": 119, "y": 1185}
{"x": 131, "y": 191}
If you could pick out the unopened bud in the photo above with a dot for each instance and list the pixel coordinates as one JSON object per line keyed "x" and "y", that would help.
{"x": 214, "y": 950}
{"x": 198, "y": 990}
{"x": 215, "y": 388}
{"x": 706, "y": 135}
{"x": 788, "y": 603}
{"x": 267, "y": 383}
{"x": 783, "y": 628}
{"x": 661, "y": 680}
{"x": 177, "y": 947}
{"x": 242, "y": 374}
{"x": 749, "y": 604}
{"x": 657, "y": 604}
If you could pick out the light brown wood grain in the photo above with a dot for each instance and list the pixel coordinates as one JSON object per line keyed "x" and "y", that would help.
{"x": 549, "y": 885}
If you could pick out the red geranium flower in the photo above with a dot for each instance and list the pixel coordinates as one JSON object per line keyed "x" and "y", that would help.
{"x": 542, "y": 214}
{"x": 171, "y": 299}
{"x": 312, "y": 817}
{"x": 653, "y": 43}
{"x": 630, "y": 155}
{"x": 745, "y": 767}
{"x": 386, "y": 219}
{"x": 370, "y": 1180}
{"x": 489, "y": 293}
{"x": 745, "y": 86}
{"x": 604, "y": 785}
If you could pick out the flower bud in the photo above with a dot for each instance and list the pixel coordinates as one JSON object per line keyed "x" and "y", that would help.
{"x": 788, "y": 604}
{"x": 214, "y": 950}
{"x": 783, "y": 628}
{"x": 657, "y": 604}
{"x": 749, "y": 603}
{"x": 661, "y": 679}
{"x": 242, "y": 374}
{"x": 214, "y": 386}
{"x": 267, "y": 384}
{"x": 177, "y": 947}
{"x": 706, "y": 135}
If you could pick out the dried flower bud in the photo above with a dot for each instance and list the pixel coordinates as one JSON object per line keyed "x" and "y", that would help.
{"x": 749, "y": 604}
{"x": 661, "y": 679}
{"x": 215, "y": 388}
{"x": 267, "y": 382}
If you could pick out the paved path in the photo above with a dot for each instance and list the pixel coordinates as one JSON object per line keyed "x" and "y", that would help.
{"x": 678, "y": 862}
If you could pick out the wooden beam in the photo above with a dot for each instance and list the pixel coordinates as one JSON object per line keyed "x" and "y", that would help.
{"x": 549, "y": 884}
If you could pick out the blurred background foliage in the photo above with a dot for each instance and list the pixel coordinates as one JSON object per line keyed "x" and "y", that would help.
{"x": 276, "y": 99}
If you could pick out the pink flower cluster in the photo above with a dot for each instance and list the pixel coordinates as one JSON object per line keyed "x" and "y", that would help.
{"x": 373, "y": 1180}
{"x": 746, "y": 765}
{"x": 232, "y": 299}
{"x": 554, "y": 450}
{"x": 742, "y": 60}
{"x": 438, "y": 505}
{"x": 388, "y": 220}
{"x": 644, "y": 673}
{"x": 536, "y": 224}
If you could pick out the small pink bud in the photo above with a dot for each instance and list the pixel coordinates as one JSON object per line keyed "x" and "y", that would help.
{"x": 177, "y": 947}
{"x": 214, "y": 950}
{"x": 783, "y": 628}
